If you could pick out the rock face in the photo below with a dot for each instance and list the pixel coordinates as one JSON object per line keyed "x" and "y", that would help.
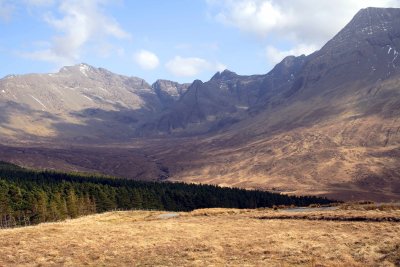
{"x": 80, "y": 102}
{"x": 169, "y": 92}
{"x": 327, "y": 123}
{"x": 365, "y": 50}
{"x": 208, "y": 106}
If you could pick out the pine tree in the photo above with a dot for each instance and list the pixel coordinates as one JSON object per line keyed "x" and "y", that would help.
{"x": 137, "y": 200}
{"x": 54, "y": 212}
{"x": 5, "y": 207}
{"x": 72, "y": 204}
{"x": 61, "y": 205}
{"x": 41, "y": 207}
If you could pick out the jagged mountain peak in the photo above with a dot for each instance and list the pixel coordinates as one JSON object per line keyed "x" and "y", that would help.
{"x": 86, "y": 69}
{"x": 169, "y": 91}
{"x": 288, "y": 64}
{"x": 196, "y": 83}
{"x": 291, "y": 60}
{"x": 10, "y": 76}
{"x": 377, "y": 26}
{"x": 374, "y": 20}
{"x": 380, "y": 11}
{"x": 82, "y": 68}
{"x": 366, "y": 49}
{"x": 161, "y": 82}
{"x": 228, "y": 72}
{"x": 224, "y": 75}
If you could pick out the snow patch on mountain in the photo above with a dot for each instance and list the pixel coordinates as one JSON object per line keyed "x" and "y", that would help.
{"x": 84, "y": 69}
{"x": 37, "y": 100}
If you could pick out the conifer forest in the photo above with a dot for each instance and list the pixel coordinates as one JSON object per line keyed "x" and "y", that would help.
{"x": 30, "y": 197}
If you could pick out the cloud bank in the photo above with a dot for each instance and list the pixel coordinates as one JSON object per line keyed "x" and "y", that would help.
{"x": 79, "y": 23}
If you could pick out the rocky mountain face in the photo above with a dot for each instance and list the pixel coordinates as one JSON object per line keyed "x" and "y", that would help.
{"x": 226, "y": 99}
{"x": 80, "y": 102}
{"x": 365, "y": 51}
{"x": 169, "y": 92}
{"x": 207, "y": 107}
{"x": 327, "y": 123}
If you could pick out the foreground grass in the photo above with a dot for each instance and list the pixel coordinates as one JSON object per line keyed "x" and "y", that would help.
{"x": 215, "y": 237}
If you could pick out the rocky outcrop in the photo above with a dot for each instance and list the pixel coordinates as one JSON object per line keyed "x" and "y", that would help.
{"x": 169, "y": 92}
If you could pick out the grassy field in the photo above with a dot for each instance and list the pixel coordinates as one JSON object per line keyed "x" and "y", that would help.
{"x": 211, "y": 237}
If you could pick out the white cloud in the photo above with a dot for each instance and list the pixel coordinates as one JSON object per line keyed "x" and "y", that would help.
{"x": 81, "y": 22}
{"x": 303, "y": 23}
{"x": 146, "y": 59}
{"x": 274, "y": 55}
{"x": 313, "y": 20}
{"x": 253, "y": 16}
{"x": 6, "y": 9}
{"x": 191, "y": 66}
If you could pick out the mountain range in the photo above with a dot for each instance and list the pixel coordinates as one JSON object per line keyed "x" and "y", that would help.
{"x": 323, "y": 124}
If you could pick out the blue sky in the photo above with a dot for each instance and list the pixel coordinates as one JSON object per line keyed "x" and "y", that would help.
{"x": 180, "y": 40}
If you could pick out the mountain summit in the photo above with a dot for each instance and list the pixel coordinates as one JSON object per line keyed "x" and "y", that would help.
{"x": 224, "y": 75}
{"x": 371, "y": 42}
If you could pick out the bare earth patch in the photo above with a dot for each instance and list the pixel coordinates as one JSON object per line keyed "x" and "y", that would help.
{"x": 212, "y": 237}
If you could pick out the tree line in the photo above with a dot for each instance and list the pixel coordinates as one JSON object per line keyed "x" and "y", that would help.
{"x": 29, "y": 197}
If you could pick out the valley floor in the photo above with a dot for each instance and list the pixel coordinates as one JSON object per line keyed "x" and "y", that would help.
{"x": 211, "y": 237}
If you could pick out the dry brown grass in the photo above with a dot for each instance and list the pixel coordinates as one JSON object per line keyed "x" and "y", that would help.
{"x": 213, "y": 237}
{"x": 370, "y": 206}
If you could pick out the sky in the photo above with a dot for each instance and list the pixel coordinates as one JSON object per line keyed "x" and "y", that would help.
{"x": 179, "y": 40}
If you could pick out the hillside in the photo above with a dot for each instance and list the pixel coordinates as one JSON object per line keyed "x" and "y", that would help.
{"x": 206, "y": 237}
